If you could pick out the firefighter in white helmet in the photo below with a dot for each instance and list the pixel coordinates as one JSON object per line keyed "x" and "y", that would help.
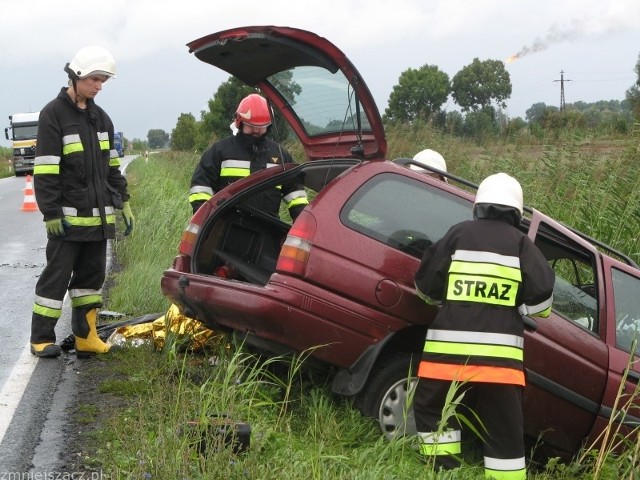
{"x": 246, "y": 151}
{"x": 429, "y": 158}
{"x": 485, "y": 273}
{"x": 78, "y": 186}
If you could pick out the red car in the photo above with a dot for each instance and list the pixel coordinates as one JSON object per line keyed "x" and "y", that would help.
{"x": 339, "y": 281}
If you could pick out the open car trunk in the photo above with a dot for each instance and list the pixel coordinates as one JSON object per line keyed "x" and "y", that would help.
{"x": 241, "y": 242}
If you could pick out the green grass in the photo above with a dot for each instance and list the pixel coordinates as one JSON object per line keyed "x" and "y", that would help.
{"x": 6, "y": 167}
{"x": 299, "y": 429}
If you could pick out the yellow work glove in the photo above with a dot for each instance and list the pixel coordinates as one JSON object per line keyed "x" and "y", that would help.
{"x": 56, "y": 226}
{"x": 128, "y": 218}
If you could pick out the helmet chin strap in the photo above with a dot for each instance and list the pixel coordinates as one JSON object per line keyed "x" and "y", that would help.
{"x": 73, "y": 77}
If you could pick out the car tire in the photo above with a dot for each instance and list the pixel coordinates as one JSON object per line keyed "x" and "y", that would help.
{"x": 388, "y": 393}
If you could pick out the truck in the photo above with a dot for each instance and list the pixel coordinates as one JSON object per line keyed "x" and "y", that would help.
{"x": 118, "y": 143}
{"x": 23, "y": 133}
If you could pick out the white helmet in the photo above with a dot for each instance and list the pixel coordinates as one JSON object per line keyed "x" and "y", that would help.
{"x": 91, "y": 60}
{"x": 429, "y": 158}
{"x": 500, "y": 189}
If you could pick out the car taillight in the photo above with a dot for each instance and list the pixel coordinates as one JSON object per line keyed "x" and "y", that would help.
{"x": 188, "y": 239}
{"x": 190, "y": 234}
{"x": 294, "y": 253}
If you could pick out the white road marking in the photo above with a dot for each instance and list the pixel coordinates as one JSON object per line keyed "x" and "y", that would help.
{"x": 14, "y": 387}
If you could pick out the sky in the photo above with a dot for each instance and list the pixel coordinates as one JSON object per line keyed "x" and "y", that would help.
{"x": 593, "y": 44}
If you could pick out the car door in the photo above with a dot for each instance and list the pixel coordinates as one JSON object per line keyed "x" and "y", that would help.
{"x": 622, "y": 334}
{"x": 566, "y": 358}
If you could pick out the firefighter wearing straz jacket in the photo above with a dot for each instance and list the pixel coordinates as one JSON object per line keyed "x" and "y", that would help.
{"x": 486, "y": 274}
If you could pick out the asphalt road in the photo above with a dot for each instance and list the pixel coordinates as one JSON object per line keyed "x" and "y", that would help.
{"x": 34, "y": 394}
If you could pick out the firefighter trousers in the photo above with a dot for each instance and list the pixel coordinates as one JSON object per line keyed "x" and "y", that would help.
{"x": 499, "y": 410}
{"x": 78, "y": 267}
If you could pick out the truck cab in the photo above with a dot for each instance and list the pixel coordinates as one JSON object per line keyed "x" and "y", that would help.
{"x": 23, "y": 133}
{"x": 118, "y": 143}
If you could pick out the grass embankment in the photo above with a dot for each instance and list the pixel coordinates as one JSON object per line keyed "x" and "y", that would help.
{"x": 6, "y": 167}
{"x": 299, "y": 430}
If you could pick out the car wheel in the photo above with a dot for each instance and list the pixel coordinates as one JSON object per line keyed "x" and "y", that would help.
{"x": 388, "y": 395}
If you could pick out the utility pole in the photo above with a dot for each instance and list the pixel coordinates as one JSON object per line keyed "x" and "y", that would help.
{"x": 562, "y": 80}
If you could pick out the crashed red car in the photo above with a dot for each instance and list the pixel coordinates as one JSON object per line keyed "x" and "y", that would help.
{"x": 339, "y": 281}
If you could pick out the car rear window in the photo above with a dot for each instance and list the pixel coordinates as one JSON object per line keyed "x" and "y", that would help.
{"x": 323, "y": 101}
{"x": 403, "y": 213}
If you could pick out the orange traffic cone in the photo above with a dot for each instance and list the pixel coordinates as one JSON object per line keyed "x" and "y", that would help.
{"x": 29, "y": 204}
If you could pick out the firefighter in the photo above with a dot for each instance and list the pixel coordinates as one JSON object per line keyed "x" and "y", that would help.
{"x": 246, "y": 151}
{"x": 78, "y": 185}
{"x": 430, "y": 158}
{"x": 485, "y": 273}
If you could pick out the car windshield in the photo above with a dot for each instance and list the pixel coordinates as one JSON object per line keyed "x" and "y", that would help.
{"x": 323, "y": 101}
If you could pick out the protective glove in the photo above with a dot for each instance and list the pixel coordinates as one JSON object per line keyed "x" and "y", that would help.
{"x": 56, "y": 226}
{"x": 128, "y": 218}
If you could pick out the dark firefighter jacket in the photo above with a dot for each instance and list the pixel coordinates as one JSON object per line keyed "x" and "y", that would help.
{"x": 486, "y": 274}
{"x": 236, "y": 157}
{"x": 77, "y": 169}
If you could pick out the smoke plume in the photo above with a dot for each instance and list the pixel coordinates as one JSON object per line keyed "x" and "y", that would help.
{"x": 611, "y": 21}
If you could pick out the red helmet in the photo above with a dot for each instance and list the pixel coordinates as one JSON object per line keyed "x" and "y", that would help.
{"x": 253, "y": 110}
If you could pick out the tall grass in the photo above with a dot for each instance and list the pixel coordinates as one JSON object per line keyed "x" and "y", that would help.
{"x": 299, "y": 429}
{"x": 591, "y": 184}
{"x": 159, "y": 202}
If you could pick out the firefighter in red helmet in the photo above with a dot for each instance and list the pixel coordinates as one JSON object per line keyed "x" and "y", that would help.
{"x": 485, "y": 273}
{"x": 247, "y": 151}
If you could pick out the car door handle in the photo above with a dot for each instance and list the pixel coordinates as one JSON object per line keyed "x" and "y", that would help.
{"x": 529, "y": 323}
{"x": 633, "y": 376}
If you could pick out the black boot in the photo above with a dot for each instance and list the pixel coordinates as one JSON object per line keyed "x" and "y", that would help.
{"x": 43, "y": 337}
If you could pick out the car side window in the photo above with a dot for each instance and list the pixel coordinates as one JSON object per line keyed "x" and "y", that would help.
{"x": 403, "y": 213}
{"x": 575, "y": 288}
{"x": 626, "y": 292}
{"x": 574, "y": 292}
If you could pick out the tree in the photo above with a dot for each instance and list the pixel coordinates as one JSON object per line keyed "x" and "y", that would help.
{"x": 481, "y": 83}
{"x": 481, "y": 123}
{"x": 419, "y": 94}
{"x": 633, "y": 94}
{"x": 157, "y": 138}
{"x": 537, "y": 112}
{"x": 139, "y": 145}
{"x": 215, "y": 123}
{"x": 184, "y": 136}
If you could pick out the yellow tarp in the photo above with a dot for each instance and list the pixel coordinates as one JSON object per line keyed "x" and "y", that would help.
{"x": 184, "y": 328}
